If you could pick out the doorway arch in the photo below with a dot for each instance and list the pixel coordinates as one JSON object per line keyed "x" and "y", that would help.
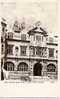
{"x": 37, "y": 70}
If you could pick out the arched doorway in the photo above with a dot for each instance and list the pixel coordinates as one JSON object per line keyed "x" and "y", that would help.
{"x": 22, "y": 67}
{"x": 37, "y": 70}
{"x": 9, "y": 66}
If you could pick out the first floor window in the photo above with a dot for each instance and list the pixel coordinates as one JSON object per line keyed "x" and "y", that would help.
{"x": 38, "y": 51}
{"x": 23, "y": 50}
{"x": 10, "y": 49}
{"x": 32, "y": 51}
{"x": 44, "y": 52}
{"x": 16, "y": 50}
{"x": 51, "y": 52}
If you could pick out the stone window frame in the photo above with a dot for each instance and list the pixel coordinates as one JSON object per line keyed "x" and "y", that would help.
{"x": 51, "y": 52}
{"x": 51, "y": 68}
{"x": 23, "y": 50}
{"x": 22, "y": 67}
{"x": 10, "y": 49}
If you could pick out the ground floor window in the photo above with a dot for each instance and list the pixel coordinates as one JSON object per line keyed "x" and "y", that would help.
{"x": 9, "y": 66}
{"x": 23, "y": 50}
{"x": 51, "y": 68}
{"x": 22, "y": 67}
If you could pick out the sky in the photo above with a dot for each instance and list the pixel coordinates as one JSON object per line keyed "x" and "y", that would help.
{"x": 31, "y": 11}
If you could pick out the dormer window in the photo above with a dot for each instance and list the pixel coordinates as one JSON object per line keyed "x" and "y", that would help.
{"x": 23, "y": 25}
{"x": 50, "y": 39}
{"x": 23, "y": 37}
{"x": 16, "y": 27}
{"x": 38, "y": 38}
{"x": 10, "y": 49}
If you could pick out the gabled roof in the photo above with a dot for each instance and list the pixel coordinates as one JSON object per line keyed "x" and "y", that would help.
{"x": 37, "y": 30}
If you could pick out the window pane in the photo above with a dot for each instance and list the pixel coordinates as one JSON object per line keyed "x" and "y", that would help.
{"x": 23, "y": 50}
{"x": 9, "y": 66}
{"x": 51, "y": 68}
{"x": 38, "y": 38}
{"x": 51, "y": 52}
{"x": 23, "y": 36}
{"x": 39, "y": 51}
{"x": 10, "y": 49}
{"x": 50, "y": 39}
{"x": 32, "y": 51}
{"x": 23, "y": 67}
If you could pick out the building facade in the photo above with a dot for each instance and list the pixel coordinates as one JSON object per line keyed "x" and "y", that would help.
{"x": 30, "y": 53}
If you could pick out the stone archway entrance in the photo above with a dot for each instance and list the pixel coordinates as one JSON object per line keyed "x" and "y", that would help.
{"x": 37, "y": 70}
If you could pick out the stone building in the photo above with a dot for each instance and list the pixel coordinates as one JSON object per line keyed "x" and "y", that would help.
{"x": 30, "y": 53}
